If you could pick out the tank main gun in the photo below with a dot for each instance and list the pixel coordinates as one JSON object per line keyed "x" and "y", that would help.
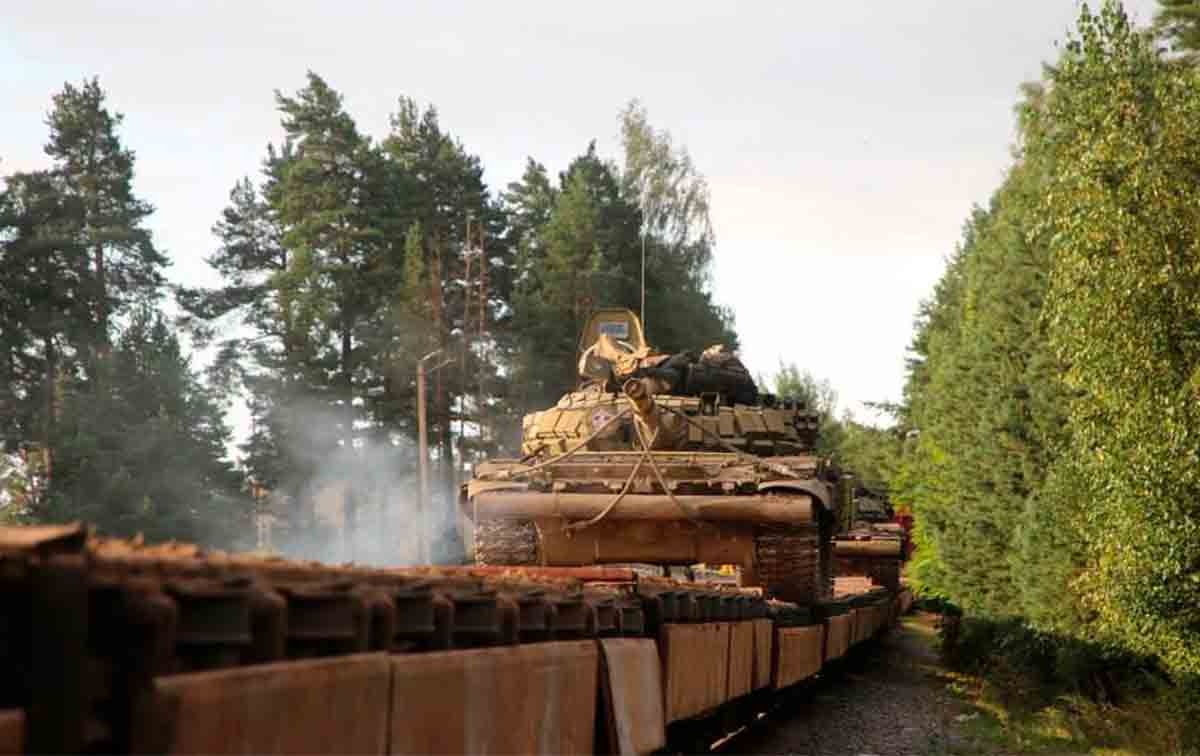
{"x": 641, "y": 398}
{"x": 661, "y": 429}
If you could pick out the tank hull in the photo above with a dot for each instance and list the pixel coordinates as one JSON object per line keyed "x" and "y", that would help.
{"x": 603, "y": 508}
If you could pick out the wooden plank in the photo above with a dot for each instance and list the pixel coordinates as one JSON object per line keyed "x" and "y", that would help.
{"x": 695, "y": 667}
{"x": 837, "y": 639}
{"x": 331, "y": 706}
{"x": 631, "y": 687}
{"x": 764, "y": 643}
{"x": 537, "y": 698}
{"x": 741, "y": 660}
{"x": 718, "y": 670}
{"x": 799, "y": 654}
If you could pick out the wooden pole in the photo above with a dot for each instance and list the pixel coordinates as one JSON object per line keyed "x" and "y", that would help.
{"x": 483, "y": 301}
{"x": 423, "y": 502}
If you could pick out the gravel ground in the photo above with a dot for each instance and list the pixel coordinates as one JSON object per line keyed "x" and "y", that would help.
{"x": 886, "y": 700}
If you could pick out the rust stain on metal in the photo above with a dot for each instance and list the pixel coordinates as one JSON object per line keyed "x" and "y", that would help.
{"x": 320, "y": 706}
{"x": 539, "y": 698}
{"x": 630, "y": 686}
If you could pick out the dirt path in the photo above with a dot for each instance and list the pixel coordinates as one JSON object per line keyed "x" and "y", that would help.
{"x": 886, "y": 700}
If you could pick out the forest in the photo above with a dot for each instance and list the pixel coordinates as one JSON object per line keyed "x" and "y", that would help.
{"x": 1047, "y": 440}
{"x": 342, "y": 260}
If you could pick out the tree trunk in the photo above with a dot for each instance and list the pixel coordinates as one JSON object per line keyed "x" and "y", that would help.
{"x": 101, "y": 303}
{"x": 100, "y": 348}
{"x": 51, "y": 415}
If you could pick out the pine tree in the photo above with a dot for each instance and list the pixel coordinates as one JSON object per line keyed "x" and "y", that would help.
{"x": 988, "y": 404}
{"x": 322, "y": 202}
{"x": 448, "y": 193}
{"x": 44, "y": 310}
{"x": 147, "y": 456}
{"x": 95, "y": 174}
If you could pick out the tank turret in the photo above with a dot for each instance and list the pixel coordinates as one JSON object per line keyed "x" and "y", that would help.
{"x": 872, "y": 543}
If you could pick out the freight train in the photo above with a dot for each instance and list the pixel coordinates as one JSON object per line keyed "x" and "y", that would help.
{"x": 116, "y": 647}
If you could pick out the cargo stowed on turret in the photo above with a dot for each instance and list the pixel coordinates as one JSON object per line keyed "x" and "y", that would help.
{"x": 663, "y": 459}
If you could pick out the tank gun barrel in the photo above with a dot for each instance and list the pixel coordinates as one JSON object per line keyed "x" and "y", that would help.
{"x": 640, "y": 392}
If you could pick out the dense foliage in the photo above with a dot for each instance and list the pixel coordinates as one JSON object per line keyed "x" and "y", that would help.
{"x": 101, "y": 413}
{"x": 1053, "y": 384}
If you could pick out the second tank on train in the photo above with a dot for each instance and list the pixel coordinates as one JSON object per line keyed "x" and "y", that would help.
{"x": 873, "y": 544}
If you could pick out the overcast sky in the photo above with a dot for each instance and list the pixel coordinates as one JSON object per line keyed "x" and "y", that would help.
{"x": 844, "y": 142}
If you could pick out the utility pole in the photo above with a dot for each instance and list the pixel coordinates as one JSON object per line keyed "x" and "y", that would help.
{"x": 423, "y": 455}
{"x": 466, "y": 339}
{"x": 483, "y": 330}
{"x": 475, "y": 301}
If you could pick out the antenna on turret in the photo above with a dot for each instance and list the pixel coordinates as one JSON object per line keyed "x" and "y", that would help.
{"x": 643, "y": 311}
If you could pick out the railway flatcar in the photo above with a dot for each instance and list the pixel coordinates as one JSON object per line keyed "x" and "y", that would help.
{"x": 116, "y": 647}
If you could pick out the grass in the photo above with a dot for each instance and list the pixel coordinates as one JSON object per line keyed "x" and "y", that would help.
{"x": 1005, "y": 711}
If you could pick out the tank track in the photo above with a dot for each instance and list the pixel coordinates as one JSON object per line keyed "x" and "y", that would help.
{"x": 506, "y": 542}
{"x": 828, "y": 566}
{"x": 788, "y": 564}
{"x": 828, "y": 569}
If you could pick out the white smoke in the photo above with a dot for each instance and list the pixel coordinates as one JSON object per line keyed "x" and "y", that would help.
{"x": 357, "y": 497}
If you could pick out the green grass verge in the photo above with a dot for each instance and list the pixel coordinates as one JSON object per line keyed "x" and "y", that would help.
{"x": 1007, "y": 712}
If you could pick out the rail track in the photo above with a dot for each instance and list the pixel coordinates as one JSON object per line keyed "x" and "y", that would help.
{"x": 115, "y": 647}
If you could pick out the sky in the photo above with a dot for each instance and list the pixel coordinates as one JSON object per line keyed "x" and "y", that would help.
{"x": 844, "y": 143}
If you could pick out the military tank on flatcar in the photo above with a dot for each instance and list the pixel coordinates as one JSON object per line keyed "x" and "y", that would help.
{"x": 872, "y": 544}
{"x": 663, "y": 459}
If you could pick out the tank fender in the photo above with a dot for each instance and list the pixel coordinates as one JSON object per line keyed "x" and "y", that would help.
{"x": 473, "y": 488}
{"x": 821, "y": 492}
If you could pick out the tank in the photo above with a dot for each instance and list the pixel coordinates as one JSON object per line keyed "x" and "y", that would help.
{"x": 873, "y": 544}
{"x": 663, "y": 459}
